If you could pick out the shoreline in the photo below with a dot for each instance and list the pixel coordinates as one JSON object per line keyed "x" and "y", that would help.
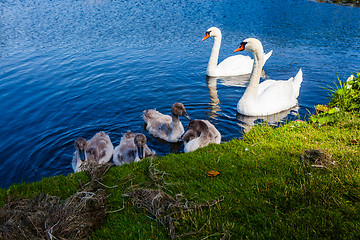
{"x": 285, "y": 178}
{"x": 348, "y": 3}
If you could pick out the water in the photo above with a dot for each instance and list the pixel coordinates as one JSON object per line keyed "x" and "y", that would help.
{"x": 72, "y": 68}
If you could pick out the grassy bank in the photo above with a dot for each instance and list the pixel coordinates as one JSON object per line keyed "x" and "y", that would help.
{"x": 299, "y": 181}
{"x": 342, "y": 2}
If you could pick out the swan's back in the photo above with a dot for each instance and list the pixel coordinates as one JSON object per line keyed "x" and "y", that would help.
{"x": 273, "y": 96}
{"x": 100, "y": 148}
{"x": 126, "y": 152}
{"x": 238, "y": 65}
{"x": 214, "y": 132}
{"x": 157, "y": 124}
{"x": 166, "y": 127}
{"x": 234, "y": 66}
{"x": 153, "y": 117}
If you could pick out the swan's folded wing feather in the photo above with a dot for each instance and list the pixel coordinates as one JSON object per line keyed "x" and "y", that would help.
{"x": 235, "y": 65}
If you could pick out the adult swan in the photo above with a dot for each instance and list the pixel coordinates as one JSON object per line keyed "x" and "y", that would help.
{"x": 270, "y": 96}
{"x": 231, "y": 66}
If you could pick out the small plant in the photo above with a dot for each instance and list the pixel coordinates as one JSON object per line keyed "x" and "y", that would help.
{"x": 324, "y": 115}
{"x": 346, "y": 95}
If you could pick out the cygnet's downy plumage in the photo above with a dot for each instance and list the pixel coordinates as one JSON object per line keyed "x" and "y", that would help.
{"x": 200, "y": 133}
{"x": 97, "y": 150}
{"x": 166, "y": 127}
{"x": 189, "y": 135}
{"x": 132, "y": 148}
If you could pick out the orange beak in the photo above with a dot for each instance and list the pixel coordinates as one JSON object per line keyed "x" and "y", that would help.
{"x": 207, "y": 35}
{"x": 241, "y": 48}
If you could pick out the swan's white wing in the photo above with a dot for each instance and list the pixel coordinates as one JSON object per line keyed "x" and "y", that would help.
{"x": 235, "y": 65}
{"x": 276, "y": 96}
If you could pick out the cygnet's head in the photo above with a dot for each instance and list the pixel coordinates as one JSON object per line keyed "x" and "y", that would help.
{"x": 80, "y": 146}
{"x": 129, "y": 134}
{"x": 140, "y": 139}
{"x": 250, "y": 44}
{"x": 140, "y": 142}
{"x": 178, "y": 109}
{"x": 197, "y": 126}
{"x": 189, "y": 135}
{"x": 212, "y": 32}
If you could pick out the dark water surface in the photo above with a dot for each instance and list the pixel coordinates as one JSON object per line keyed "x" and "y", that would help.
{"x": 72, "y": 68}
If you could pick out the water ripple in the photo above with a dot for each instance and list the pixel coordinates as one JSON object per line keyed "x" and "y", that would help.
{"x": 73, "y": 68}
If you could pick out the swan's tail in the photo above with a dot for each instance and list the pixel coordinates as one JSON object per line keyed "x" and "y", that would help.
{"x": 266, "y": 57}
{"x": 149, "y": 115}
{"x": 297, "y": 80}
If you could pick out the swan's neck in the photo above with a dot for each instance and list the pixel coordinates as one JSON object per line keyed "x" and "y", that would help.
{"x": 251, "y": 90}
{"x": 177, "y": 128}
{"x": 213, "y": 61}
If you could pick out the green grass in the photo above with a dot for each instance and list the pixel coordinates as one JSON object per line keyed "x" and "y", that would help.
{"x": 341, "y": 2}
{"x": 268, "y": 192}
{"x": 263, "y": 191}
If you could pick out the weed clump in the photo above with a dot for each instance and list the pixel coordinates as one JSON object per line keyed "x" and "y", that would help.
{"x": 317, "y": 158}
{"x": 164, "y": 208}
{"x": 49, "y": 217}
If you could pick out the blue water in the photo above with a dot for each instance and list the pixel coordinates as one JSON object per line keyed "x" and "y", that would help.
{"x": 72, "y": 68}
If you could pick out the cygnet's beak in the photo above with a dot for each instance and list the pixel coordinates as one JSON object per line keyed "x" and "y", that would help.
{"x": 207, "y": 35}
{"x": 186, "y": 115}
{"x": 82, "y": 154}
{"x": 141, "y": 152}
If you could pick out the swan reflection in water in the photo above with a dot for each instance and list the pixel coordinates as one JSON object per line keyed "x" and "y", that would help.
{"x": 237, "y": 81}
{"x": 246, "y": 122}
{"x": 214, "y": 98}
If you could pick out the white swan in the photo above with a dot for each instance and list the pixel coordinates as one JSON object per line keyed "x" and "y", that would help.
{"x": 97, "y": 150}
{"x": 166, "y": 127}
{"x": 270, "y": 96}
{"x": 231, "y": 66}
{"x": 132, "y": 148}
{"x": 200, "y": 133}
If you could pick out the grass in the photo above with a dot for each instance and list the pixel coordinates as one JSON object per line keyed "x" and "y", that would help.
{"x": 264, "y": 189}
{"x": 342, "y": 2}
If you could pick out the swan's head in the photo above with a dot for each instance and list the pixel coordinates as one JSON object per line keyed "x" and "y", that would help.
{"x": 212, "y": 32}
{"x": 250, "y": 44}
{"x": 140, "y": 141}
{"x": 81, "y": 146}
{"x": 178, "y": 109}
